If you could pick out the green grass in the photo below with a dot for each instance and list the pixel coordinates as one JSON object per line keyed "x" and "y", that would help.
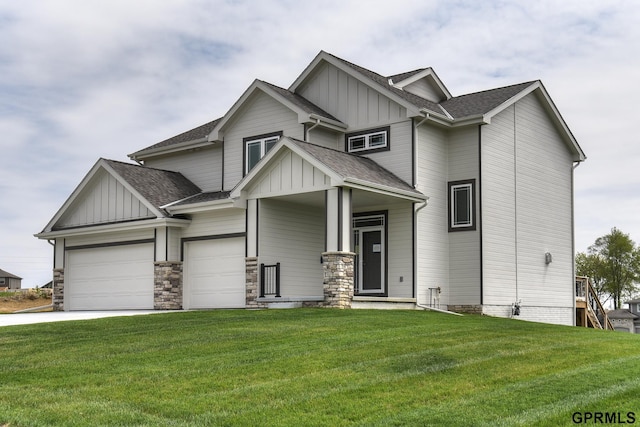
{"x": 312, "y": 367}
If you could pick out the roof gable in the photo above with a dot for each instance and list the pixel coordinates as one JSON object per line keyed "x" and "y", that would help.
{"x": 325, "y": 168}
{"x": 423, "y": 82}
{"x": 119, "y": 192}
{"x": 307, "y": 112}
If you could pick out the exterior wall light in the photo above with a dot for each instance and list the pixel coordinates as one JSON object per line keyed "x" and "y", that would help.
{"x": 548, "y": 258}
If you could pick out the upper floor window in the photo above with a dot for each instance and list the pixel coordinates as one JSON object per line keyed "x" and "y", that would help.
{"x": 256, "y": 147}
{"x": 462, "y": 205}
{"x": 370, "y": 140}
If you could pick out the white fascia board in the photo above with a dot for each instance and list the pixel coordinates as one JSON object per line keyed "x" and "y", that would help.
{"x": 426, "y": 73}
{"x": 76, "y": 192}
{"x": 204, "y": 206}
{"x": 384, "y": 189}
{"x": 113, "y": 227}
{"x": 187, "y": 145}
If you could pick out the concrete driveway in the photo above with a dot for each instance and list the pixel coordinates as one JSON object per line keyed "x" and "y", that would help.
{"x": 60, "y": 316}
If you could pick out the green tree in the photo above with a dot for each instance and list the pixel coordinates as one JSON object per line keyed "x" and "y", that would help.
{"x": 613, "y": 262}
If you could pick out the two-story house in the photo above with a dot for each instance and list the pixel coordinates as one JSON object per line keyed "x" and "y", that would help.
{"x": 363, "y": 190}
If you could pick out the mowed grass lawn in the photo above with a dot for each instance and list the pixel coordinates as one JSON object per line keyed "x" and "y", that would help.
{"x": 313, "y": 367}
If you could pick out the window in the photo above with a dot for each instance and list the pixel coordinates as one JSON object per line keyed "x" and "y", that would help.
{"x": 371, "y": 140}
{"x": 462, "y": 205}
{"x": 1, "y": 280}
{"x": 256, "y": 147}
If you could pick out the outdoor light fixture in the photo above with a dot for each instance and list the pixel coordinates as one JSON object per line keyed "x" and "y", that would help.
{"x": 548, "y": 258}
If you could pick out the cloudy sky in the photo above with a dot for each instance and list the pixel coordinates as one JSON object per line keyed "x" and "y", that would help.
{"x": 83, "y": 79}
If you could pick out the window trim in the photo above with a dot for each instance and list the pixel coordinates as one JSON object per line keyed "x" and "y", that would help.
{"x": 471, "y": 184}
{"x": 252, "y": 139}
{"x": 367, "y": 134}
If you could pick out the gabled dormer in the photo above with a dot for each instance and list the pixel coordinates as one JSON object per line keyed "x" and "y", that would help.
{"x": 423, "y": 82}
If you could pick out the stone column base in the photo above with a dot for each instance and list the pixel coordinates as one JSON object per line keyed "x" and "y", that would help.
{"x": 251, "y": 283}
{"x": 338, "y": 279}
{"x": 58, "y": 289}
{"x": 167, "y": 291}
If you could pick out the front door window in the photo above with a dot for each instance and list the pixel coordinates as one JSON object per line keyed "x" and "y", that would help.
{"x": 369, "y": 247}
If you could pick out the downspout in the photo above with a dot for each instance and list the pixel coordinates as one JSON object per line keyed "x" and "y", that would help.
{"x": 306, "y": 131}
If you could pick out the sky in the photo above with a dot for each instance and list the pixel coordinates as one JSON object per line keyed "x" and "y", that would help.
{"x": 84, "y": 79}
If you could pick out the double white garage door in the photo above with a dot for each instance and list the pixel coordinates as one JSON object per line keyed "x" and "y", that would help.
{"x": 121, "y": 277}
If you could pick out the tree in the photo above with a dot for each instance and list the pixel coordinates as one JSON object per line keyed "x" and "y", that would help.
{"x": 613, "y": 263}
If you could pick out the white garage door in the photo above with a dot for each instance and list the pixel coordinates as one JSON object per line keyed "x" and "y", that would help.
{"x": 214, "y": 274}
{"x": 109, "y": 278}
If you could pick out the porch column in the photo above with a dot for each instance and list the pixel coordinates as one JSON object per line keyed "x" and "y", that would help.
{"x": 338, "y": 279}
{"x": 338, "y": 218}
{"x": 252, "y": 228}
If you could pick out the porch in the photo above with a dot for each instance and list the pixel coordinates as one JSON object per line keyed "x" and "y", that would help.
{"x": 589, "y": 310}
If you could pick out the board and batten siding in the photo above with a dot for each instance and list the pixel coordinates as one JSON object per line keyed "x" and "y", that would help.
{"x": 423, "y": 89}
{"x": 104, "y": 200}
{"x": 202, "y": 166}
{"x": 464, "y": 246}
{"x": 293, "y": 235}
{"x": 288, "y": 173}
{"x": 527, "y": 212}
{"x": 259, "y": 116}
{"x": 432, "y": 235}
{"x": 350, "y": 100}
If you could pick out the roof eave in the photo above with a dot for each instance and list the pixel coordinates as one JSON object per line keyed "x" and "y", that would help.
{"x": 384, "y": 189}
{"x": 111, "y": 227}
{"x": 173, "y": 148}
{"x": 204, "y": 206}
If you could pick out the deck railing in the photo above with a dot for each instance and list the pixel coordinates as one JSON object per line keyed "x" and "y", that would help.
{"x": 593, "y": 307}
{"x": 270, "y": 280}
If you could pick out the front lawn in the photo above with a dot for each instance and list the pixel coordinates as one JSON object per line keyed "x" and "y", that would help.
{"x": 313, "y": 367}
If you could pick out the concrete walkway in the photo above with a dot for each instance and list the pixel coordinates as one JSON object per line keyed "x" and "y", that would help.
{"x": 60, "y": 316}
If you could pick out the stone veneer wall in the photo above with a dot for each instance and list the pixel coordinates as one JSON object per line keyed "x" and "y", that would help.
{"x": 338, "y": 279}
{"x": 58, "y": 289}
{"x": 251, "y": 269}
{"x": 167, "y": 292}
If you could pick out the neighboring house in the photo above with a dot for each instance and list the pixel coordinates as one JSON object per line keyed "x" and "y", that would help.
{"x": 9, "y": 281}
{"x": 627, "y": 320}
{"x": 365, "y": 190}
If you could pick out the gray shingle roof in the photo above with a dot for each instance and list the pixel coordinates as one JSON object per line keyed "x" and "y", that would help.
{"x": 403, "y": 76}
{"x": 306, "y": 105}
{"x": 621, "y": 313}
{"x": 159, "y": 187}
{"x": 353, "y": 166}
{"x": 204, "y": 197}
{"x": 478, "y": 103}
{"x": 8, "y": 275}
{"x": 199, "y": 132}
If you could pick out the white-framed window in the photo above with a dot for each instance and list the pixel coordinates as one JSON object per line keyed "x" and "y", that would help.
{"x": 256, "y": 147}
{"x": 370, "y": 140}
{"x": 1, "y": 280}
{"x": 462, "y": 205}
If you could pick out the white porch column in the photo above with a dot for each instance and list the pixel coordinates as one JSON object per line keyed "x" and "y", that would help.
{"x": 338, "y": 216}
{"x": 252, "y": 228}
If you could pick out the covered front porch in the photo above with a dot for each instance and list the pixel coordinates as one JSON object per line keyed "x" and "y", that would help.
{"x": 313, "y": 243}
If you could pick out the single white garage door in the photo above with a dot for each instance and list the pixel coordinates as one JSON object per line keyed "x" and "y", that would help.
{"x": 214, "y": 275}
{"x": 109, "y": 278}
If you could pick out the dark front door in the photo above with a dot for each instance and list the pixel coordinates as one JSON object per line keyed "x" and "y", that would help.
{"x": 371, "y": 252}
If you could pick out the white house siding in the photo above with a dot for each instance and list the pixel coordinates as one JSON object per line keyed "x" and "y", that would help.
{"x": 539, "y": 203}
{"x": 432, "y": 234}
{"x": 202, "y": 166}
{"x": 260, "y": 115}
{"x": 424, "y": 89}
{"x": 104, "y": 200}
{"x": 293, "y": 234}
{"x": 107, "y": 238}
{"x": 464, "y": 246}
{"x": 350, "y": 100}
{"x": 398, "y": 158}
{"x": 326, "y": 138}
{"x": 399, "y": 248}
{"x": 223, "y": 221}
